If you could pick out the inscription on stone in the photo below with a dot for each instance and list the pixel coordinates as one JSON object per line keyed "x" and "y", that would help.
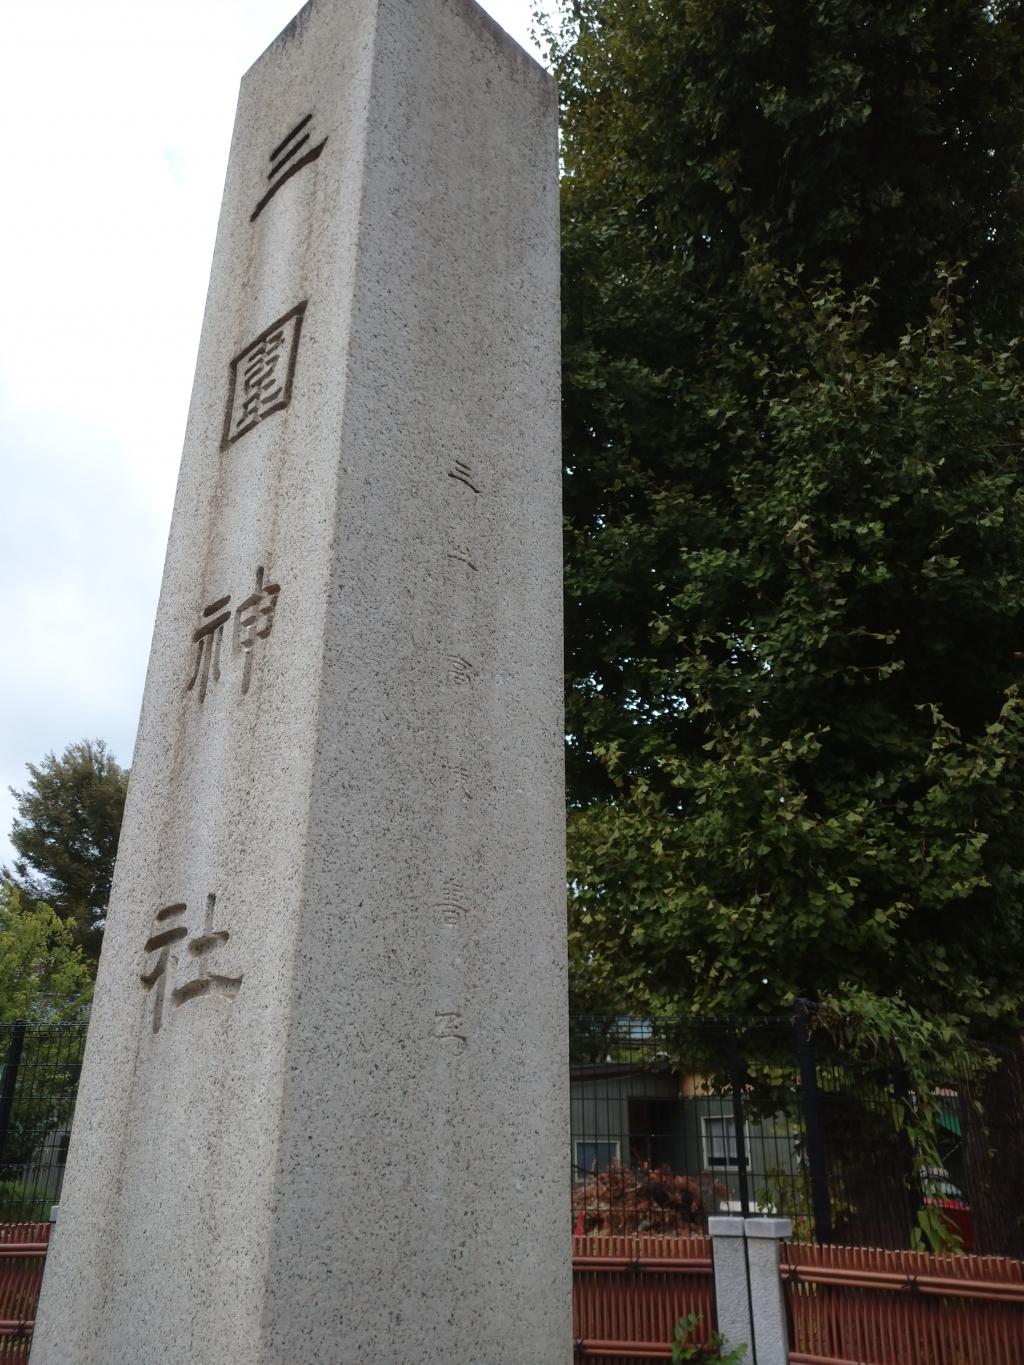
{"x": 261, "y": 376}
{"x": 460, "y": 670}
{"x": 455, "y": 905}
{"x": 462, "y": 780}
{"x": 208, "y": 638}
{"x": 289, "y": 157}
{"x": 464, "y": 474}
{"x": 463, "y": 555}
{"x": 254, "y": 620}
{"x": 350, "y": 738}
{"x": 171, "y": 931}
{"x": 448, "y": 1024}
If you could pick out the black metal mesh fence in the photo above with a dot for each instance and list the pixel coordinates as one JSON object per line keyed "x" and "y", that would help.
{"x": 675, "y": 1120}
{"x": 38, "y": 1082}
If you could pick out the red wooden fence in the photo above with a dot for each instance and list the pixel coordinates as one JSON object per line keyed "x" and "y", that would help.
{"x": 22, "y": 1256}
{"x": 848, "y": 1305}
{"x": 856, "y": 1306}
{"x": 628, "y": 1293}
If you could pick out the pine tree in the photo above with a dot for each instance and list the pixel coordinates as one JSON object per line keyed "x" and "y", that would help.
{"x": 66, "y": 834}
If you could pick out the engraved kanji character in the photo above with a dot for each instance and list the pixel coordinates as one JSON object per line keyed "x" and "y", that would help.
{"x": 261, "y": 384}
{"x": 286, "y": 161}
{"x": 454, "y": 904}
{"x": 261, "y": 376}
{"x": 162, "y": 942}
{"x": 208, "y": 637}
{"x": 461, "y": 671}
{"x": 463, "y": 780}
{"x": 463, "y": 472}
{"x": 448, "y": 1024}
{"x": 462, "y": 553}
{"x": 199, "y": 945}
{"x": 254, "y": 620}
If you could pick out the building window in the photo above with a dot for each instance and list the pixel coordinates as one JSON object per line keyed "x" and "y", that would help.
{"x": 591, "y": 1158}
{"x": 718, "y": 1136}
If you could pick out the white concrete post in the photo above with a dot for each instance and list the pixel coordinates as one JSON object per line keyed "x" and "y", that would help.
{"x": 748, "y": 1286}
{"x": 728, "y": 1256}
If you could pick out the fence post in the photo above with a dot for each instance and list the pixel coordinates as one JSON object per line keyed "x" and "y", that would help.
{"x": 749, "y": 1299}
{"x": 901, "y": 1093}
{"x": 737, "y": 1080}
{"x": 816, "y": 1159}
{"x": 11, "y": 1064}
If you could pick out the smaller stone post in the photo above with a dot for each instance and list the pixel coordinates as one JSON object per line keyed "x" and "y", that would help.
{"x": 732, "y": 1300}
{"x": 748, "y": 1286}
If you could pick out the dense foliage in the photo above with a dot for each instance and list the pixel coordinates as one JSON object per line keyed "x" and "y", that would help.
{"x": 44, "y": 976}
{"x": 793, "y": 270}
{"x": 66, "y": 834}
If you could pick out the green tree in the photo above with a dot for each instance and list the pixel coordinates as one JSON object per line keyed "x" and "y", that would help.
{"x": 46, "y": 980}
{"x": 795, "y": 568}
{"x": 44, "y": 976}
{"x": 65, "y": 834}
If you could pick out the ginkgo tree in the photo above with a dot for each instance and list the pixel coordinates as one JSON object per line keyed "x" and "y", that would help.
{"x": 793, "y": 254}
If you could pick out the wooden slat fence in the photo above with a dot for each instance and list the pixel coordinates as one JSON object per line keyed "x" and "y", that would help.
{"x": 22, "y": 1257}
{"x": 847, "y": 1305}
{"x": 628, "y": 1293}
{"x": 861, "y": 1306}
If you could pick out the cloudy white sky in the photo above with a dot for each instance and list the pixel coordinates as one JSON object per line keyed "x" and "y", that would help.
{"x": 118, "y": 116}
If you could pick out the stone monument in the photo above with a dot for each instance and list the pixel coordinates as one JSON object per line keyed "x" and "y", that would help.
{"x": 323, "y": 1113}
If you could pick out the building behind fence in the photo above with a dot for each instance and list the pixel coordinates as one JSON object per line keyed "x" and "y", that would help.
{"x": 675, "y": 1120}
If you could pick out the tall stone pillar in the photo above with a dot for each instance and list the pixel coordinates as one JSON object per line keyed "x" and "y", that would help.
{"x": 324, "y": 1115}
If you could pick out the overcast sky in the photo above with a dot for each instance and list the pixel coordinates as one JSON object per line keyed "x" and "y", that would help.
{"x": 118, "y": 116}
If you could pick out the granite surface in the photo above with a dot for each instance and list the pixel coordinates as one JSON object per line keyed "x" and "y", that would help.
{"x": 324, "y": 1108}
{"x": 748, "y": 1287}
